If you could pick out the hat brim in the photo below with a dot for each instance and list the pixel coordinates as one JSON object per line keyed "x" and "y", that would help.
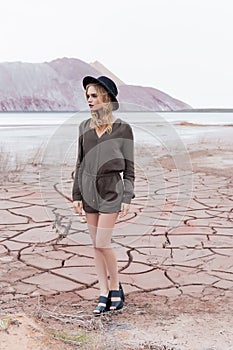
{"x": 91, "y": 80}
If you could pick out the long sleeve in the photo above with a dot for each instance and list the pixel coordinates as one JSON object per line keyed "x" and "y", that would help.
{"x": 76, "y": 192}
{"x": 128, "y": 173}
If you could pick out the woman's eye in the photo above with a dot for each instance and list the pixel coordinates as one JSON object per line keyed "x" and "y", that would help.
{"x": 92, "y": 95}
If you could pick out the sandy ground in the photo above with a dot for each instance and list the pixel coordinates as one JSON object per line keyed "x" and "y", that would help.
{"x": 178, "y": 279}
{"x": 145, "y": 323}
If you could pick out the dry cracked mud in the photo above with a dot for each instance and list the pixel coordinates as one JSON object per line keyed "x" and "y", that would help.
{"x": 175, "y": 244}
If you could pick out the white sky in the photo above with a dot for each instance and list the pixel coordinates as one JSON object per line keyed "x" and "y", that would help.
{"x": 182, "y": 47}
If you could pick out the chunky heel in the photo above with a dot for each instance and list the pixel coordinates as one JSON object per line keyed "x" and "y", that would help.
{"x": 123, "y": 294}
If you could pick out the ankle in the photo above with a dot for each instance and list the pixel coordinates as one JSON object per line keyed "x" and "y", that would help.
{"x": 104, "y": 293}
{"x": 114, "y": 286}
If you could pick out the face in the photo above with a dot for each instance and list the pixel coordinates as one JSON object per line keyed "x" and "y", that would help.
{"x": 94, "y": 99}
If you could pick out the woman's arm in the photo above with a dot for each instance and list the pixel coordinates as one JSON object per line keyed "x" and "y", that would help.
{"x": 76, "y": 191}
{"x": 129, "y": 172}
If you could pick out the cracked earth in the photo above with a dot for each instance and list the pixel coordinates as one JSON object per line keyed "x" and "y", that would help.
{"x": 175, "y": 244}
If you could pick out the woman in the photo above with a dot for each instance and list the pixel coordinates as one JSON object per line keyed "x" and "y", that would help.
{"x": 105, "y": 151}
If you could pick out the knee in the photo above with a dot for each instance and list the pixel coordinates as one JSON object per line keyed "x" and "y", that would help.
{"x": 97, "y": 247}
{"x": 101, "y": 246}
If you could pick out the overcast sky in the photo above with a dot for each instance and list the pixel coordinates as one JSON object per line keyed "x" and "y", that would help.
{"x": 182, "y": 47}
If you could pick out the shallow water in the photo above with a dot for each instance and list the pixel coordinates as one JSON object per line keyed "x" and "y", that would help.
{"x": 56, "y": 133}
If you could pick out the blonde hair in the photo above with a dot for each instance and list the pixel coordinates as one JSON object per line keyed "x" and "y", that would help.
{"x": 106, "y": 117}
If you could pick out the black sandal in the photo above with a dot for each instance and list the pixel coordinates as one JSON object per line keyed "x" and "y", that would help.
{"x": 123, "y": 294}
{"x": 117, "y": 305}
{"x": 103, "y": 305}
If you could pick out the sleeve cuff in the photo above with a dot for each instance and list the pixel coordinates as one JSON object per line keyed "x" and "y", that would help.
{"x": 77, "y": 197}
{"x": 127, "y": 199}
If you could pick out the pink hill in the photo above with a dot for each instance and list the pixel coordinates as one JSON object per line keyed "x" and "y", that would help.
{"x": 57, "y": 86}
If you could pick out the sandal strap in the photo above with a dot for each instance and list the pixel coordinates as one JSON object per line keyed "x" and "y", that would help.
{"x": 99, "y": 309}
{"x": 116, "y": 293}
{"x": 116, "y": 305}
{"x": 103, "y": 299}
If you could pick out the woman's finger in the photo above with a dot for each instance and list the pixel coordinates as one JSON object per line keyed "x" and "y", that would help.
{"x": 124, "y": 209}
{"x": 77, "y": 205}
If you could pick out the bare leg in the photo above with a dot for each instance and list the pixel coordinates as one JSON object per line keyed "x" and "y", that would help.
{"x": 100, "y": 227}
{"x": 105, "y": 227}
{"x": 101, "y": 268}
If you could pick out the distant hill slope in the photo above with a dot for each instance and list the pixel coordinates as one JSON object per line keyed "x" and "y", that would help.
{"x": 105, "y": 71}
{"x": 57, "y": 86}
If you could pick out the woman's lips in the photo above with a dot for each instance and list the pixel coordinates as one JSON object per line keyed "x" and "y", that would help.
{"x": 91, "y": 106}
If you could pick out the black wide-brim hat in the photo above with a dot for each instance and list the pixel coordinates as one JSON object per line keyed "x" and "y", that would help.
{"x": 108, "y": 84}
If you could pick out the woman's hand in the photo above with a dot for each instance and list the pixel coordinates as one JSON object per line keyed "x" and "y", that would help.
{"x": 78, "y": 207}
{"x": 124, "y": 209}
